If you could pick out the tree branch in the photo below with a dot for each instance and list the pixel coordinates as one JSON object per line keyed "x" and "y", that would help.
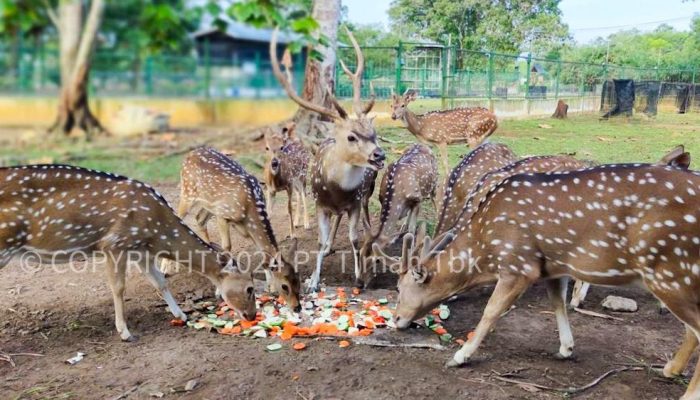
{"x": 87, "y": 41}
{"x": 51, "y": 12}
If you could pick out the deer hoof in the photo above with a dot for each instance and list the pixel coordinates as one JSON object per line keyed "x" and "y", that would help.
{"x": 131, "y": 339}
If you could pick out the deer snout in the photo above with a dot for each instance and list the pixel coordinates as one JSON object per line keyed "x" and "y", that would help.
{"x": 379, "y": 155}
{"x": 248, "y": 316}
{"x": 275, "y": 163}
{"x": 297, "y": 308}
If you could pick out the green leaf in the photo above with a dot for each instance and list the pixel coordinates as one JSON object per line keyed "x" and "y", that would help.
{"x": 304, "y": 25}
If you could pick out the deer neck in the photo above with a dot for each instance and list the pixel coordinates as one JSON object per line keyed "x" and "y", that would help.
{"x": 468, "y": 269}
{"x": 349, "y": 177}
{"x": 413, "y": 122}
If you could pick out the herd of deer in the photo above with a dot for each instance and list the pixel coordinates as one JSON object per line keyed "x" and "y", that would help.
{"x": 501, "y": 219}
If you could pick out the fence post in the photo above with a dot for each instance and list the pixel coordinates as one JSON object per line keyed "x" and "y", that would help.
{"x": 556, "y": 81}
{"x": 148, "y": 75}
{"x": 443, "y": 89}
{"x": 399, "y": 55}
{"x": 527, "y": 76}
{"x": 490, "y": 76}
{"x": 207, "y": 69}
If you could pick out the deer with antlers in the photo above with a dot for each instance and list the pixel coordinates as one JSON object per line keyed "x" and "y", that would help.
{"x": 405, "y": 184}
{"x": 341, "y": 164}
{"x": 459, "y": 125}
{"x": 286, "y": 168}
{"x": 610, "y": 225}
{"x": 61, "y": 213}
{"x": 485, "y": 158}
{"x": 219, "y": 187}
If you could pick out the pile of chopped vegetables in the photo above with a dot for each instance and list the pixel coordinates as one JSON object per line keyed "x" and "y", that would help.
{"x": 323, "y": 314}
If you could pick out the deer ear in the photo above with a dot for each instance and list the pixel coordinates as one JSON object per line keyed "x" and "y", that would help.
{"x": 419, "y": 273}
{"x": 410, "y": 95}
{"x": 291, "y": 131}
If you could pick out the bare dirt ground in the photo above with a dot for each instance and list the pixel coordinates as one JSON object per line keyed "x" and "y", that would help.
{"x": 59, "y": 314}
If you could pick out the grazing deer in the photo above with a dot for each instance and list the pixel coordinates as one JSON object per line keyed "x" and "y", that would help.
{"x": 341, "y": 163}
{"x": 678, "y": 158}
{"x": 459, "y": 125}
{"x": 405, "y": 184}
{"x": 61, "y": 213}
{"x": 610, "y": 225}
{"x": 221, "y": 188}
{"x": 485, "y": 158}
{"x": 285, "y": 169}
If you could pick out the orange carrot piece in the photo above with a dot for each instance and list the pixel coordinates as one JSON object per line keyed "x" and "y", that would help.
{"x": 343, "y": 343}
{"x": 471, "y": 335}
{"x": 177, "y": 322}
{"x": 299, "y": 346}
{"x": 441, "y": 331}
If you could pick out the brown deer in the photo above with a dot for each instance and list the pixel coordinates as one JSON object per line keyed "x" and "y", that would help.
{"x": 61, "y": 213}
{"x": 220, "y": 187}
{"x": 341, "y": 163}
{"x": 405, "y": 184}
{"x": 485, "y": 158}
{"x": 678, "y": 158}
{"x": 610, "y": 225}
{"x": 459, "y": 125}
{"x": 285, "y": 169}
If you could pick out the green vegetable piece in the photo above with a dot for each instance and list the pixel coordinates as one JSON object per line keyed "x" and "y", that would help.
{"x": 274, "y": 347}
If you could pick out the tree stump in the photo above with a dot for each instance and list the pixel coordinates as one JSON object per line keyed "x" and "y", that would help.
{"x": 561, "y": 111}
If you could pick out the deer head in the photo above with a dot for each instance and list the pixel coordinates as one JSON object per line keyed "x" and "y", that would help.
{"x": 356, "y": 138}
{"x": 417, "y": 281}
{"x": 236, "y": 286}
{"x": 285, "y": 280}
{"x": 399, "y": 104}
{"x": 677, "y": 157}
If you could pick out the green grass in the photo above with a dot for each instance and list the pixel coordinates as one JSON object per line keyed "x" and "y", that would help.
{"x": 619, "y": 140}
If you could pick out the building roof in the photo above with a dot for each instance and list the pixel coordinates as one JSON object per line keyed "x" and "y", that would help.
{"x": 237, "y": 30}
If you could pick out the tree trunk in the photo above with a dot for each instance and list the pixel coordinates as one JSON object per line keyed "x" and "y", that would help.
{"x": 76, "y": 48}
{"x": 561, "y": 111}
{"x": 319, "y": 76}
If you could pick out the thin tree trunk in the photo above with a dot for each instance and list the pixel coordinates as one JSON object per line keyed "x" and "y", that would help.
{"x": 76, "y": 53}
{"x": 319, "y": 76}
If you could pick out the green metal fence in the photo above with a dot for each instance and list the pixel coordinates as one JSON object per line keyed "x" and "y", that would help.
{"x": 432, "y": 70}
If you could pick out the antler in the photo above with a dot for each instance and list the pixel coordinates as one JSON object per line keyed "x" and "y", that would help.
{"x": 368, "y": 106}
{"x": 288, "y": 87}
{"x": 356, "y": 77}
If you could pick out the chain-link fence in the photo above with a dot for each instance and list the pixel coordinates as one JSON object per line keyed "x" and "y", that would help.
{"x": 434, "y": 71}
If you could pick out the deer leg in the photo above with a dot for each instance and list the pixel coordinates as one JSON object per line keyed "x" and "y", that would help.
{"x": 297, "y": 205}
{"x": 324, "y": 240}
{"x": 334, "y": 231}
{"x": 413, "y": 219}
{"x": 290, "y": 193}
{"x": 156, "y": 278}
{"x": 366, "y": 223}
{"x": 680, "y": 359}
{"x": 354, "y": 218}
{"x": 270, "y": 198}
{"x": 302, "y": 193}
{"x": 507, "y": 291}
{"x": 116, "y": 277}
{"x": 556, "y": 290}
{"x": 579, "y": 293}
{"x": 200, "y": 226}
{"x": 183, "y": 207}
{"x": 224, "y": 233}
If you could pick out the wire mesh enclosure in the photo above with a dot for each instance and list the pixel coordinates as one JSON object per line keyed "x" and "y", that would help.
{"x": 433, "y": 70}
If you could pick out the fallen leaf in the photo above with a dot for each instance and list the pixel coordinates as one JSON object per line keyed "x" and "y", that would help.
{"x": 191, "y": 384}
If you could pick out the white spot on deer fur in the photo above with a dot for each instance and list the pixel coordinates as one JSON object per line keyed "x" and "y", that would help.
{"x": 669, "y": 223}
{"x": 690, "y": 218}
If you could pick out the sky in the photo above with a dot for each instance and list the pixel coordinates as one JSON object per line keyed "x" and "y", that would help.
{"x": 587, "y": 19}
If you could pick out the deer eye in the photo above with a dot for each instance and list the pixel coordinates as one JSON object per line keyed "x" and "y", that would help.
{"x": 285, "y": 288}
{"x": 352, "y": 138}
{"x": 249, "y": 290}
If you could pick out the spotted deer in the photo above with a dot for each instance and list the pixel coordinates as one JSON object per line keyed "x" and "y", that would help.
{"x": 459, "y": 125}
{"x": 405, "y": 184}
{"x": 609, "y": 225}
{"x": 219, "y": 187}
{"x": 340, "y": 166}
{"x": 285, "y": 169}
{"x": 483, "y": 159}
{"x": 678, "y": 158}
{"x": 61, "y": 213}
